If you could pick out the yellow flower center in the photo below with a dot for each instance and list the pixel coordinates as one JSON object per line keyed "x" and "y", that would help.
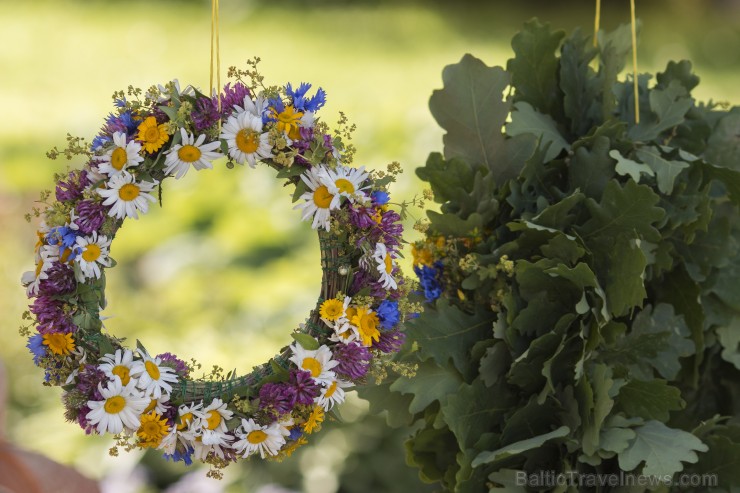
{"x": 129, "y": 192}
{"x": 118, "y": 158}
{"x": 91, "y": 253}
{"x": 123, "y": 373}
{"x": 62, "y": 344}
{"x": 331, "y": 309}
{"x": 152, "y": 430}
{"x": 322, "y": 198}
{"x": 312, "y": 365}
{"x": 185, "y": 420}
{"x": 114, "y": 405}
{"x": 388, "y": 263}
{"x": 330, "y": 391}
{"x": 189, "y": 153}
{"x": 345, "y": 186}
{"x": 213, "y": 419}
{"x": 152, "y": 369}
{"x": 256, "y": 436}
{"x": 151, "y": 134}
{"x": 247, "y": 141}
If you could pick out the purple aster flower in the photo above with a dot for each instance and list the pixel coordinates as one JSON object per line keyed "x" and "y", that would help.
{"x": 88, "y": 379}
{"x": 37, "y": 348}
{"x": 50, "y": 316}
{"x": 91, "y": 215}
{"x": 61, "y": 280}
{"x": 390, "y": 342}
{"x": 169, "y": 359}
{"x": 72, "y": 187}
{"x": 305, "y": 387}
{"x": 354, "y": 360}
{"x": 364, "y": 279}
{"x": 388, "y": 314}
{"x": 278, "y": 396}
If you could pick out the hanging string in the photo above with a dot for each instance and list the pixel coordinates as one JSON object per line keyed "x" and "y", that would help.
{"x": 634, "y": 61}
{"x": 214, "y": 35}
{"x": 597, "y": 19}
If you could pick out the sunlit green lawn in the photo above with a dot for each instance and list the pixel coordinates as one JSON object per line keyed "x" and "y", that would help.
{"x": 225, "y": 270}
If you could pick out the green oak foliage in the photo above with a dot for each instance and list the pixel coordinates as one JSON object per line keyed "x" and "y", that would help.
{"x": 613, "y": 341}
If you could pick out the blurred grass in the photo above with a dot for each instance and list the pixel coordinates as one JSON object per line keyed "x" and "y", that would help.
{"x": 226, "y": 269}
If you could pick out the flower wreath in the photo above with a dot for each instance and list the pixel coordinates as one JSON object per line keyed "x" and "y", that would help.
{"x": 152, "y": 401}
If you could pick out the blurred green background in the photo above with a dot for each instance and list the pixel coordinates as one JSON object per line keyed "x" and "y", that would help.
{"x": 227, "y": 269}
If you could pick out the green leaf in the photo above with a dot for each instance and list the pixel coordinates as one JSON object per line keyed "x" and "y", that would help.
{"x": 617, "y": 434}
{"x": 507, "y": 481}
{"x": 382, "y": 400}
{"x": 665, "y": 171}
{"x": 669, "y": 106}
{"x": 723, "y": 146}
{"x": 578, "y": 82}
{"x": 628, "y": 167}
{"x": 476, "y": 409}
{"x": 449, "y": 179}
{"x": 306, "y": 341}
{"x": 729, "y": 338}
{"x": 680, "y": 72}
{"x": 527, "y": 120}
{"x": 662, "y": 449}
{"x": 494, "y": 363}
{"x": 602, "y": 388}
{"x": 729, "y": 178}
{"x": 650, "y": 400}
{"x": 624, "y": 282}
{"x": 519, "y": 447}
{"x": 722, "y": 459}
{"x": 560, "y": 214}
{"x": 448, "y": 333}
{"x": 627, "y": 211}
{"x": 472, "y": 110}
{"x": 662, "y": 320}
{"x": 613, "y": 50}
{"x": 433, "y": 451}
{"x": 431, "y": 383}
{"x": 534, "y": 67}
{"x": 591, "y": 169}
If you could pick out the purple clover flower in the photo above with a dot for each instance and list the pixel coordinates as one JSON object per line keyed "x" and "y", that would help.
{"x": 390, "y": 342}
{"x": 72, "y": 188}
{"x": 50, "y": 316}
{"x": 278, "y": 396}
{"x": 169, "y": 359}
{"x": 88, "y": 380}
{"x": 90, "y": 216}
{"x": 305, "y": 387}
{"x": 361, "y": 217}
{"x": 354, "y": 360}
{"x": 61, "y": 280}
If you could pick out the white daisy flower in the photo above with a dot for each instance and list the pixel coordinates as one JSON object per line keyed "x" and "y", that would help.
{"x": 118, "y": 366}
{"x": 256, "y": 107}
{"x": 153, "y": 378}
{"x": 126, "y": 197}
{"x": 166, "y": 95}
{"x": 385, "y": 264}
{"x": 267, "y": 440}
{"x": 93, "y": 252}
{"x": 202, "y": 450}
{"x": 332, "y": 394}
{"x": 244, "y": 136}
{"x": 318, "y": 201}
{"x": 190, "y": 151}
{"x": 45, "y": 257}
{"x": 213, "y": 418}
{"x": 158, "y": 405}
{"x": 121, "y": 406}
{"x": 123, "y": 155}
{"x": 319, "y": 362}
{"x": 345, "y": 333}
{"x": 345, "y": 182}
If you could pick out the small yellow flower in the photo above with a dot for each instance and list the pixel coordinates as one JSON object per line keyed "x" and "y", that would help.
{"x": 332, "y": 309}
{"x": 152, "y": 430}
{"x": 287, "y": 121}
{"x": 421, "y": 255}
{"x": 152, "y": 135}
{"x": 59, "y": 343}
{"x": 367, "y": 322}
{"x": 313, "y": 423}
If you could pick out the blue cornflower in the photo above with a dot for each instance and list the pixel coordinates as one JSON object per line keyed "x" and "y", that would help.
{"x": 178, "y": 456}
{"x": 119, "y": 102}
{"x": 380, "y": 197}
{"x": 295, "y": 433}
{"x": 99, "y": 141}
{"x": 65, "y": 237}
{"x": 37, "y": 348}
{"x": 388, "y": 314}
{"x": 300, "y": 102}
{"x": 430, "y": 280}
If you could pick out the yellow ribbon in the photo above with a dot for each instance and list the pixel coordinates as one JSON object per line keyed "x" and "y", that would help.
{"x": 597, "y": 19}
{"x": 634, "y": 61}
{"x": 214, "y": 35}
